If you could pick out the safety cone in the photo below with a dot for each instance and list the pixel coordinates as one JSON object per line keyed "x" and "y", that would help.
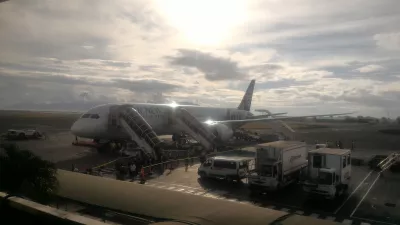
{"x": 142, "y": 178}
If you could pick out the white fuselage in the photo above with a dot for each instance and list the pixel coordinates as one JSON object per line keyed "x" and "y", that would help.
{"x": 156, "y": 115}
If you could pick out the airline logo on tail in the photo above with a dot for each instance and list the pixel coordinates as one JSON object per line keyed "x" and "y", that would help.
{"x": 245, "y": 104}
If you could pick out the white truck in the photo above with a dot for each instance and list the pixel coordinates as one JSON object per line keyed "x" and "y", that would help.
{"x": 23, "y": 134}
{"x": 329, "y": 172}
{"x": 278, "y": 164}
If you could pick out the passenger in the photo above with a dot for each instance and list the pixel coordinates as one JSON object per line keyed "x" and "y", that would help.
{"x": 186, "y": 164}
{"x": 177, "y": 161}
{"x": 133, "y": 171}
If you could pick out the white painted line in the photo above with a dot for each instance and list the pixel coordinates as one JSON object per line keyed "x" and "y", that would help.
{"x": 180, "y": 189}
{"x": 180, "y": 185}
{"x": 352, "y": 193}
{"x": 199, "y": 193}
{"x": 162, "y": 186}
{"x": 346, "y": 221}
{"x": 285, "y": 209}
{"x": 364, "y": 223}
{"x": 171, "y": 188}
{"x": 189, "y": 191}
{"x": 330, "y": 218}
{"x": 272, "y": 207}
{"x": 314, "y": 215}
{"x": 299, "y": 212}
{"x": 369, "y": 189}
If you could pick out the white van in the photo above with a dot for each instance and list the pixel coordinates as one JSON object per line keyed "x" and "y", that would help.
{"x": 225, "y": 167}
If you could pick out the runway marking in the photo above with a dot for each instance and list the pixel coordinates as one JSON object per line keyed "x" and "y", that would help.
{"x": 314, "y": 215}
{"x": 364, "y": 223}
{"x": 373, "y": 221}
{"x": 285, "y": 209}
{"x": 299, "y": 212}
{"x": 330, "y": 218}
{"x": 346, "y": 221}
{"x": 180, "y": 185}
{"x": 180, "y": 189}
{"x": 352, "y": 193}
{"x": 369, "y": 189}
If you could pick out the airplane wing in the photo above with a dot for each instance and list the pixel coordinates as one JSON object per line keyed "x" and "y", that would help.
{"x": 274, "y": 119}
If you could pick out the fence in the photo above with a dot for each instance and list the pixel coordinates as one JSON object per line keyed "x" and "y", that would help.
{"x": 119, "y": 168}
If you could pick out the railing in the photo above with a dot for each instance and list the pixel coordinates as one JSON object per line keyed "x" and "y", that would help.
{"x": 195, "y": 125}
{"x": 156, "y": 169}
{"x": 139, "y": 125}
{"x": 388, "y": 161}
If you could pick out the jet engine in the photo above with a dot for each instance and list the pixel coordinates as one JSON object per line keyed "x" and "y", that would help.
{"x": 222, "y": 132}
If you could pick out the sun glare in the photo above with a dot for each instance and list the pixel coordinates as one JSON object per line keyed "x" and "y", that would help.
{"x": 204, "y": 22}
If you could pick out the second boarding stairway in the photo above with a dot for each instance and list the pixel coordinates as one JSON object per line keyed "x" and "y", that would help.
{"x": 140, "y": 131}
{"x": 192, "y": 126}
{"x": 388, "y": 162}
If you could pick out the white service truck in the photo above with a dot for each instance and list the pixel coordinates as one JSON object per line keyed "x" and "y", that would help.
{"x": 278, "y": 164}
{"x": 23, "y": 134}
{"x": 328, "y": 173}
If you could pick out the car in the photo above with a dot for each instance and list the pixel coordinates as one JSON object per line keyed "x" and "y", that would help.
{"x": 23, "y": 134}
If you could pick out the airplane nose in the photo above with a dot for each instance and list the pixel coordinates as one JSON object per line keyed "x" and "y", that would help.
{"x": 76, "y": 128}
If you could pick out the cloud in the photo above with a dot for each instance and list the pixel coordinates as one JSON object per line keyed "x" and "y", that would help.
{"x": 369, "y": 68}
{"x": 214, "y": 68}
{"x": 389, "y": 41}
{"x": 315, "y": 56}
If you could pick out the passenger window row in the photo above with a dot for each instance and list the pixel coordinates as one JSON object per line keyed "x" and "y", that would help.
{"x": 92, "y": 116}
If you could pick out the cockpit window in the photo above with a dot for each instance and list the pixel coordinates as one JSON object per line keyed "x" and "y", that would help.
{"x": 85, "y": 116}
{"x": 95, "y": 116}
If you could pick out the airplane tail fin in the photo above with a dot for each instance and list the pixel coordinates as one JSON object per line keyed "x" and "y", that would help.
{"x": 245, "y": 104}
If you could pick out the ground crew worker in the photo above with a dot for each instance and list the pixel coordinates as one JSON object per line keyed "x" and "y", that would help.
{"x": 74, "y": 169}
{"x": 186, "y": 164}
{"x": 352, "y": 145}
{"x": 340, "y": 145}
{"x": 142, "y": 176}
{"x": 132, "y": 171}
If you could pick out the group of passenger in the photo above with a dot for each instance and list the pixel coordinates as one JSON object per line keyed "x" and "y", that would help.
{"x": 338, "y": 144}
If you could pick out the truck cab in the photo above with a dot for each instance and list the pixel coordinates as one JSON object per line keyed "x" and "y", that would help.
{"x": 329, "y": 172}
{"x": 278, "y": 164}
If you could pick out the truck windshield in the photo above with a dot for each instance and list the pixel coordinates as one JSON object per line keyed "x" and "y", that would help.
{"x": 325, "y": 178}
{"x": 267, "y": 170}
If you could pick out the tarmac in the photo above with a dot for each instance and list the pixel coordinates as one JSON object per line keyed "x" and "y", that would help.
{"x": 373, "y": 198}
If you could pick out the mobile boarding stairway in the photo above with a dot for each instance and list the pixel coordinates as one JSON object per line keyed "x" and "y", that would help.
{"x": 192, "y": 126}
{"x": 143, "y": 134}
{"x": 388, "y": 162}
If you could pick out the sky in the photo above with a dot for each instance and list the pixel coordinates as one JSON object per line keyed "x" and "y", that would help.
{"x": 308, "y": 56}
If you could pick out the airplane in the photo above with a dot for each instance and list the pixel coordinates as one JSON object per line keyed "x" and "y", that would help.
{"x": 120, "y": 123}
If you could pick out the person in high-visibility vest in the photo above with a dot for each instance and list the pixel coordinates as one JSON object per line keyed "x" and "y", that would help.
{"x": 142, "y": 178}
